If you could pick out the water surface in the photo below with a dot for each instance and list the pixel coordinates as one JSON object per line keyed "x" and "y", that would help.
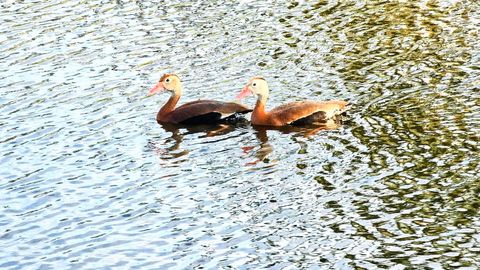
{"x": 90, "y": 180}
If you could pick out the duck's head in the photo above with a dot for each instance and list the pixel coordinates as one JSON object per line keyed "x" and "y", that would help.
{"x": 257, "y": 86}
{"x": 168, "y": 82}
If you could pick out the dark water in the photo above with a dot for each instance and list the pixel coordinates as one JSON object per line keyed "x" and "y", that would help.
{"x": 89, "y": 180}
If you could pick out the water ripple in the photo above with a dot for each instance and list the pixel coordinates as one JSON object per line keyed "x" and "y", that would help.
{"x": 91, "y": 181}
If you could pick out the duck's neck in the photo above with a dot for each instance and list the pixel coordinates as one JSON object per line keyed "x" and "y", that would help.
{"x": 259, "y": 115}
{"x": 168, "y": 107}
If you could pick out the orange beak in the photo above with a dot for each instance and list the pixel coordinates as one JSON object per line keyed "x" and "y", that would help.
{"x": 159, "y": 87}
{"x": 245, "y": 92}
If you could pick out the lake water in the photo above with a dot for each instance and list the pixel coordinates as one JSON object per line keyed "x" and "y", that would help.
{"x": 89, "y": 180}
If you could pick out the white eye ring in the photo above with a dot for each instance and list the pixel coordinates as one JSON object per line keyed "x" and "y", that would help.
{"x": 167, "y": 80}
{"x": 254, "y": 84}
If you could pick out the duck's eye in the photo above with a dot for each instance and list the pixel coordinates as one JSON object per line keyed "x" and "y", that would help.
{"x": 167, "y": 80}
{"x": 254, "y": 84}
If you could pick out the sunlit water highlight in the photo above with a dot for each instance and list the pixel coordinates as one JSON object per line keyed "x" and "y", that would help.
{"x": 89, "y": 180}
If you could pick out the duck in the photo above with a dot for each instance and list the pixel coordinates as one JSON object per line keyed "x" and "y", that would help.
{"x": 195, "y": 112}
{"x": 300, "y": 113}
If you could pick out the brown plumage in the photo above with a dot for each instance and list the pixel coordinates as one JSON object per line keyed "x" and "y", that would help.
{"x": 195, "y": 112}
{"x": 293, "y": 113}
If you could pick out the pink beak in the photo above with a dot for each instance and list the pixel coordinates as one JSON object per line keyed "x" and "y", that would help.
{"x": 159, "y": 87}
{"x": 245, "y": 92}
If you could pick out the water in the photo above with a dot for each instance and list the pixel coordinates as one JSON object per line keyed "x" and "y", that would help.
{"x": 89, "y": 180}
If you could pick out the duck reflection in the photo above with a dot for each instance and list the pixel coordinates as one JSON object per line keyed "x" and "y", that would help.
{"x": 170, "y": 148}
{"x": 161, "y": 148}
{"x": 265, "y": 148}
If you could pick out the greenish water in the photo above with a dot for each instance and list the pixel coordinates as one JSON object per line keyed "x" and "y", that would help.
{"x": 89, "y": 180}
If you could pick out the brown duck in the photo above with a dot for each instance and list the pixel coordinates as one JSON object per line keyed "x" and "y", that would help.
{"x": 195, "y": 112}
{"x": 293, "y": 113}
